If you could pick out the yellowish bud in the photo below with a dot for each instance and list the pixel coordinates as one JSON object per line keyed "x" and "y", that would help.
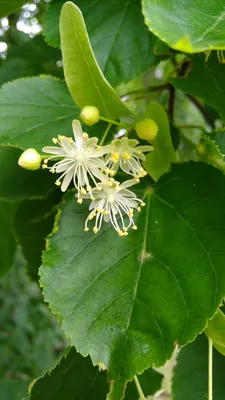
{"x": 89, "y": 115}
{"x": 30, "y": 159}
{"x": 147, "y": 129}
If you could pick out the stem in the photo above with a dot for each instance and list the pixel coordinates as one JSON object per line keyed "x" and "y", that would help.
{"x": 105, "y": 134}
{"x": 171, "y": 102}
{"x": 210, "y": 369}
{"x": 139, "y": 389}
{"x": 110, "y": 121}
{"x": 207, "y": 116}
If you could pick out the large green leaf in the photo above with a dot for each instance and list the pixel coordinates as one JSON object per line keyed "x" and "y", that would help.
{"x": 33, "y": 110}
{"x": 206, "y": 81}
{"x": 216, "y": 331}
{"x": 121, "y": 42}
{"x": 74, "y": 377}
{"x": 7, "y": 7}
{"x": 17, "y": 183}
{"x": 126, "y": 301}
{"x": 158, "y": 162}
{"x": 187, "y": 26}
{"x": 190, "y": 377}
{"x": 85, "y": 80}
{"x": 7, "y": 238}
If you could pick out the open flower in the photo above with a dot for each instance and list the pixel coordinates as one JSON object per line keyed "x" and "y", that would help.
{"x": 79, "y": 161}
{"x": 113, "y": 202}
{"x": 127, "y": 156}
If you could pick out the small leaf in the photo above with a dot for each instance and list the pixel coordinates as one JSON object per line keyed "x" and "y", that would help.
{"x": 190, "y": 376}
{"x": 206, "y": 81}
{"x": 219, "y": 137}
{"x": 126, "y": 301}
{"x": 216, "y": 331}
{"x": 85, "y": 80}
{"x": 33, "y": 110}
{"x": 158, "y": 162}
{"x": 189, "y": 28}
{"x": 7, "y": 238}
{"x": 8, "y": 7}
{"x": 121, "y": 42}
{"x": 17, "y": 183}
{"x": 209, "y": 151}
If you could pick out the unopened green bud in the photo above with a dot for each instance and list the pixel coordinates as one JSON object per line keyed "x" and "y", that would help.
{"x": 90, "y": 115}
{"x": 147, "y": 129}
{"x": 30, "y": 159}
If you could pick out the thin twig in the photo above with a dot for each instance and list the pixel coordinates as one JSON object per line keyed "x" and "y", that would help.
{"x": 171, "y": 102}
{"x": 208, "y": 117}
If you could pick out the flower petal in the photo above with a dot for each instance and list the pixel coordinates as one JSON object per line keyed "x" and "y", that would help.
{"x": 66, "y": 180}
{"x": 128, "y": 183}
{"x": 144, "y": 149}
{"x": 78, "y": 133}
{"x": 54, "y": 150}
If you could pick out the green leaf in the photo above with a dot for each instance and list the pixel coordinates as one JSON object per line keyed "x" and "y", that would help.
{"x": 158, "y": 162}
{"x": 206, "y": 81}
{"x": 85, "y": 80}
{"x": 42, "y": 59}
{"x": 7, "y": 238}
{"x": 7, "y": 7}
{"x": 121, "y": 42}
{"x": 72, "y": 377}
{"x": 190, "y": 377}
{"x": 216, "y": 331}
{"x": 33, "y": 110}
{"x": 33, "y": 222}
{"x": 126, "y": 301}
{"x": 219, "y": 137}
{"x": 190, "y": 28}
{"x": 17, "y": 183}
{"x": 209, "y": 151}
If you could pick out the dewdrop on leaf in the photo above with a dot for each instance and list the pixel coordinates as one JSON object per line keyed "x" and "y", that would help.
{"x": 30, "y": 159}
{"x": 147, "y": 129}
{"x": 89, "y": 115}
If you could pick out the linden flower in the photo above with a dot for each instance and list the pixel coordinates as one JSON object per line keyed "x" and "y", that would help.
{"x": 112, "y": 202}
{"x": 79, "y": 160}
{"x": 127, "y": 156}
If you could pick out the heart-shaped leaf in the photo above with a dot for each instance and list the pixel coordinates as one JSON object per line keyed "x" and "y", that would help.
{"x": 127, "y": 301}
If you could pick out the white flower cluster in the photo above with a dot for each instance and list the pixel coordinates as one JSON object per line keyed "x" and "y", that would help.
{"x": 91, "y": 169}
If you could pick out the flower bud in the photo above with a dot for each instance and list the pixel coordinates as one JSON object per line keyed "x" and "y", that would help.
{"x": 30, "y": 159}
{"x": 147, "y": 129}
{"x": 89, "y": 115}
